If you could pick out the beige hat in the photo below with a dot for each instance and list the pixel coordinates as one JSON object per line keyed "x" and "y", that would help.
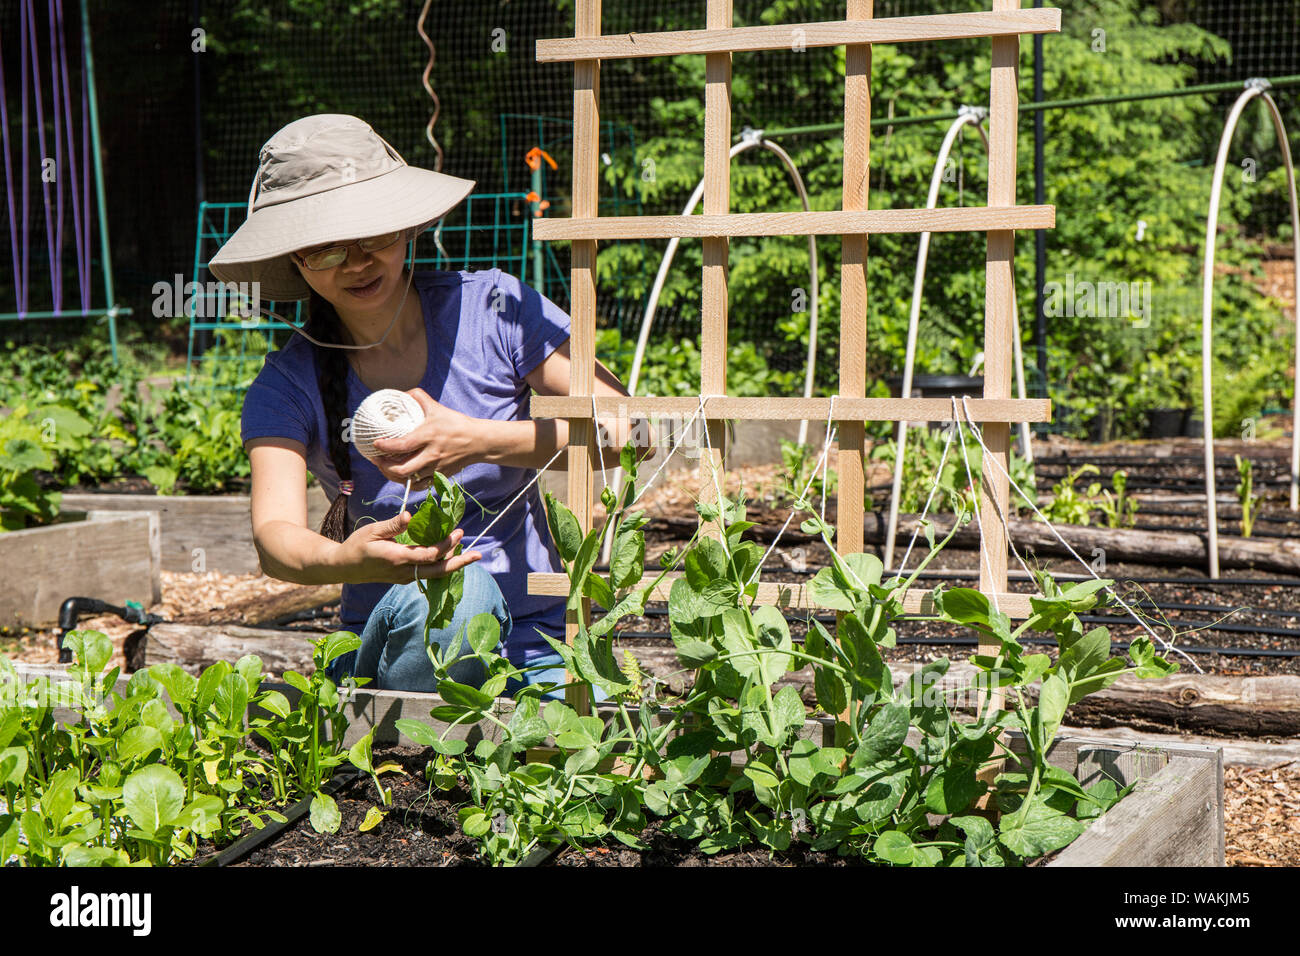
{"x": 321, "y": 179}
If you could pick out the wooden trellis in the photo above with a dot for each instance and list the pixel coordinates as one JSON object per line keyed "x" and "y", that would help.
{"x": 995, "y": 412}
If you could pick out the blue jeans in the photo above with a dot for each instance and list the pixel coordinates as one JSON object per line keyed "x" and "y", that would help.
{"x": 392, "y": 653}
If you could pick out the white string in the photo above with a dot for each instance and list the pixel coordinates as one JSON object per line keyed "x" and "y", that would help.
{"x": 672, "y": 451}
{"x": 986, "y": 558}
{"x": 501, "y": 514}
{"x": 713, "y": 470}
{"x": 829, "y": 418}
{"x": 600, "y": 445}
{"x": 997, "y": 508}
{"x": 405, "y": 494}
{"x": 1169, "y": 647}
{"x": 938, "y": 476}
{"x": 826, "y": 447}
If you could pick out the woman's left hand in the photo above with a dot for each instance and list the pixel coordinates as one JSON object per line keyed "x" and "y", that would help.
{"x": 446, "y": 441}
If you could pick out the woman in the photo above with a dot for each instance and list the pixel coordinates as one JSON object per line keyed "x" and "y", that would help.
{"x": 331, "y": 213}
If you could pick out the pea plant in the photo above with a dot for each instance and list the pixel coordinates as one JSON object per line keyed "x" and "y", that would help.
{"x": 730, "y": 762}
{"x": 1246, "y": 496}
{"x": 438, "y": 516}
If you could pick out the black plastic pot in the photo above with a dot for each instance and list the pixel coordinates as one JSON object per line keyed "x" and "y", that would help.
{"x": 939, "y": 386}
{"x": 1193, "y": 425}
{"x": 1166, "y": 422}
{"x": 1101, "y": 426}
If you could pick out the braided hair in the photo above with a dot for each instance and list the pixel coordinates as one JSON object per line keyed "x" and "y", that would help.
{"x": 323, "y": 322}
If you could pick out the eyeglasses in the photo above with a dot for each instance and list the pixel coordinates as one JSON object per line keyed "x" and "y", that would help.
{"x": 333, "y": 256}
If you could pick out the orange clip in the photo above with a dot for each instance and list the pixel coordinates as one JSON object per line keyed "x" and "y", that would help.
{"x": 535, "y": 157}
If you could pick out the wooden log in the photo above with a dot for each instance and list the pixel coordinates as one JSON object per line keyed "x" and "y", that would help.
{"x": 1204, "y": 703}
{"x": 196, "y": 646}
{"x": 1145, "y": 547}
{"x": 1242, "y": 706}
{"x": 267, "y": 609}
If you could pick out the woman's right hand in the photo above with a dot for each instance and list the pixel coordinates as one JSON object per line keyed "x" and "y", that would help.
{"x": 371, "y": 555}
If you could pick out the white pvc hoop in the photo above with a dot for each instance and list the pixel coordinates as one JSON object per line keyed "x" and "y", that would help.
{"x": 749, "y": 139}
{"x": 1254, "y": 88}
{"x": 974, "y": 116}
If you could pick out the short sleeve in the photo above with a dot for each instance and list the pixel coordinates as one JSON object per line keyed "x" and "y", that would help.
{"x": 534, "y": 328}
{"x": 275, "y": 407}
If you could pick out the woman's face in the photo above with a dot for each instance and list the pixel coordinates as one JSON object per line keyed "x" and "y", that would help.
{"x": 365, "y": 282}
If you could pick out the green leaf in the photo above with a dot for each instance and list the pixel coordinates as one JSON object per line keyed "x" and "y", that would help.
{"x": 336, "y": 645}
{"x": 153, "y": 796}
{"x": 827, "y": 591}
{"x": 462, "y": 695}
{"x": 1053, "y": 699}
{"x": 894, "y": 846}
{"x": 884, "y": 735}
{"x": 424, "y": 735}
{"x": 374, "y": 817}
{"x": 360, "y": 752}
{"x": 787, "y": 711}
{"x": 474, "y": 822}
{"x": 963, "y": 605}
{"x": 565, "y": 530}
{"x": 627, "y": 560}
{"x": 1043, "y": 830}
{"x": 705, "y": 564}
{"x": 483, "y": 633}
{"x": 13, "y": 768}
{"x": 276, "y": 703}
{"x": 324, "y": 815}
{"x": 138, "y": 741}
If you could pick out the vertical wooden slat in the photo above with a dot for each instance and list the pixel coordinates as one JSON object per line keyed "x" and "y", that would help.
{"x": 582, "y": 277}
{"x": 853, "y": 282}
{"x": 999, "y": 301}
{"x": 717, "y": 201}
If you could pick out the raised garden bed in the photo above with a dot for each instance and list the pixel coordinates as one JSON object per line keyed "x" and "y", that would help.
{"x": 1174, "y": 817}
{"x": 93, "y": 553}
{"x": 198, "y": 532}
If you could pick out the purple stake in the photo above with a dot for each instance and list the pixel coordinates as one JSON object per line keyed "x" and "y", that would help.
{"x": 9, "y": 174}
{"x": 22, "y": 35}
{"x": 56, "y": 265}
{"x": 40, "y": 139}
{"x": 85, "y": 176}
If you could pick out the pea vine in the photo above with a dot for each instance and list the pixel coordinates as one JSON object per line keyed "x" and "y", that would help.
{"x": 903, "y": 777}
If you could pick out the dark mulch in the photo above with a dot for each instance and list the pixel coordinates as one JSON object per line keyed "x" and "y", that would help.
{"x": 420, "y": 829}
{"x": 662, "y": 849}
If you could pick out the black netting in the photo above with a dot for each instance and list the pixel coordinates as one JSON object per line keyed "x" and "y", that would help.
{"x": 266, "y": 63}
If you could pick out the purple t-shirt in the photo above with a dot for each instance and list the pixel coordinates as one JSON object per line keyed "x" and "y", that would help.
{"x": 482, "y": 343}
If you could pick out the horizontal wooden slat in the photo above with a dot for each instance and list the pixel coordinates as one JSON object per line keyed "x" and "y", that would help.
{"x": 830, "y": 223}
{"x": 792, "y": 36}
{"x": 795, "y": 596}
{"x": 796, "y": 409}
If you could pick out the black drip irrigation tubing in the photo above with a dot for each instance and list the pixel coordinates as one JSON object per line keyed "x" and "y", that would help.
{"x": 246, "y": 845}
{"x": 1115, "y": 619}
{"x": 974, "y": 642}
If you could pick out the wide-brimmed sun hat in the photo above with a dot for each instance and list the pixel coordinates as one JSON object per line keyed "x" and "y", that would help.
{"x": 327, "y": 178}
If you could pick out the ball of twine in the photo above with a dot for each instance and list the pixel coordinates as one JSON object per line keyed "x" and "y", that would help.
{"x": 386, "y": 413}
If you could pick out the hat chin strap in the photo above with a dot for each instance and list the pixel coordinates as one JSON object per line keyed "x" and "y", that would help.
{"x": 410, "y": 275}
